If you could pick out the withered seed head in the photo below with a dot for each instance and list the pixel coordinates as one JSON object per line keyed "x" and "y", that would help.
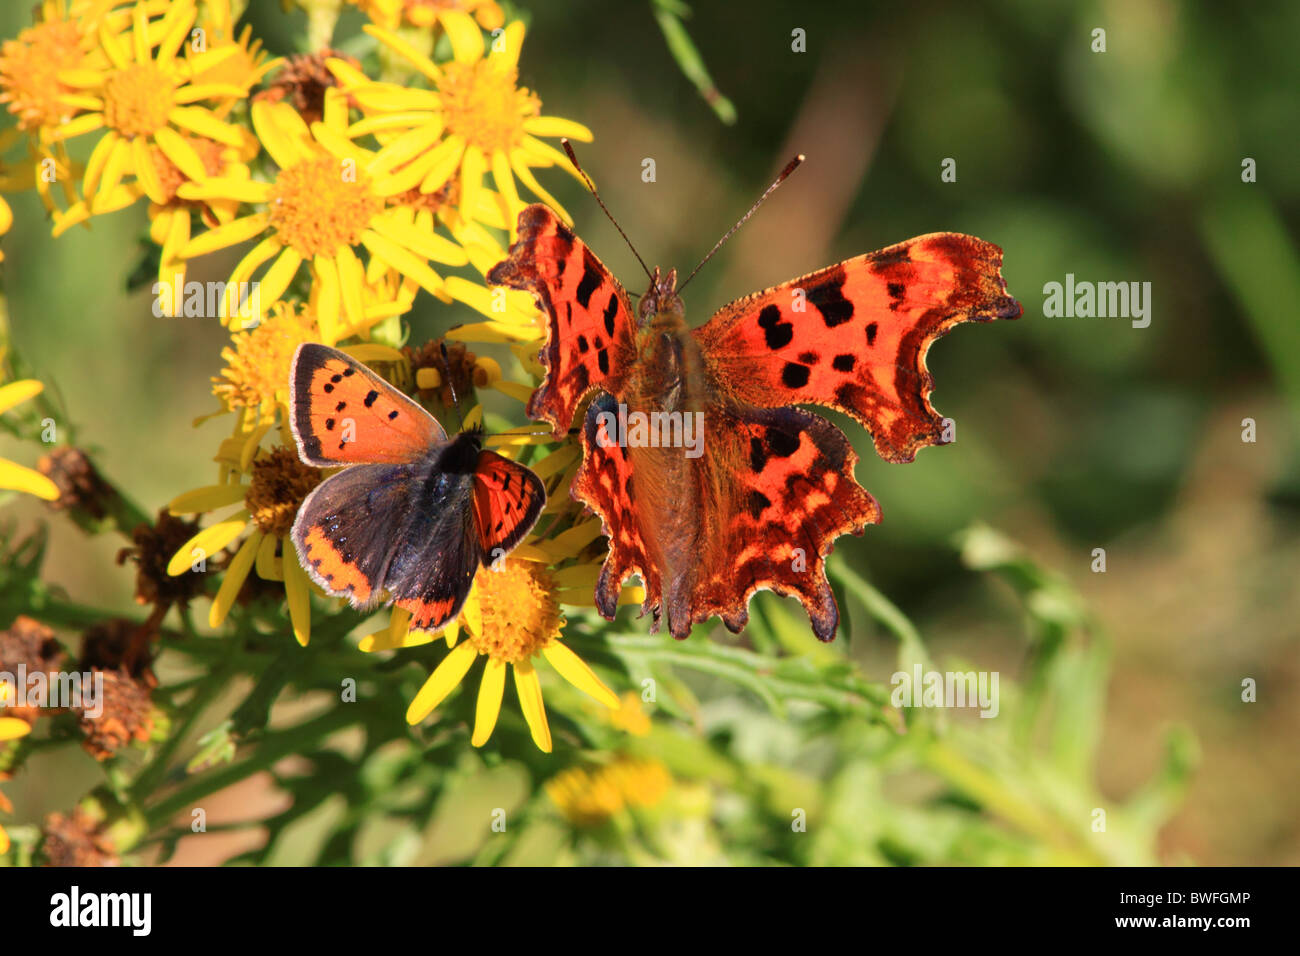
{"x": 127, "y": 714}
{"x": 303, "y": 80}
{"x": 154, "y": 546}
{"x": 76, "y": 839}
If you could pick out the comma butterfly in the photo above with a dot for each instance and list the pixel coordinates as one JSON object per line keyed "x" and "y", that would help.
{"x": 416, "y": 513}
{"x": 774, "y": 486}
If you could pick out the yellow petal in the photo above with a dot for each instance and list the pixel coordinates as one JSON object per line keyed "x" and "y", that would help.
{"x": 554, "y": 126}
{"x": 529, "y": 689}
{"x": 427, "y": 243}
{"x": 441, "y": 682}
{"x": 404, "y": 262}
{"x": 181, "y": 153}
{"x": 95, "y": 165}
{"x": 235, "y": 576}
{"x": 471, "y": 613}
{"x": 146, "y": 172}
{"x": 406, "y": 51}
{"x": 492, "y": 332}
{"x": 241, "y": 301}
{"x": 575, "y": 670}
{"x": 268, "y": 566}
{"x": 196, "y": 119}
{"x": 449, "y": 152}
{"x": 15, "y": 393}
{"x": 411, "y": 144}
{"x": 505, "y": 180}
{"x": 80, "y": 125}
{"x": 340, "y": 146}
{"x": 297, "y": 591}
{"x": 505, "y": 53}
{"x": 327, "y": 297}
{"x": 466, "y": 38}
{"x": 209, "y": 498}
{"x": 11, "y": 728}
{"x": 277, "y": 278}
{"x": 472, "y": 167}
{"x": 223, "y": 187}
{"x": 207, "y": 91}
{"x": 114, "y": 168}
{"x": 232, "y": 233}
{"x": 519, "y": 163}
{"x": 490, "y": 691}
{"x": 17, "y": 478}
{"x": 280, "y": 144}
{"x": 352, "y": 280}
{"x": 207, "y": 543}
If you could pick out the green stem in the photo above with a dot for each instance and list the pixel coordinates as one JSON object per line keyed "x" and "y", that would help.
{"x": 270, "y": 749}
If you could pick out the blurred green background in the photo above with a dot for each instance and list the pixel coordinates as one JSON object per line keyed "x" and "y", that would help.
{"x": 1073, "y": 433}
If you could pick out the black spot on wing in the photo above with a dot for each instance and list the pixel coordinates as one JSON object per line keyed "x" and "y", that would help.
{"x": 871, "y": 333}
{"x": 602, "y": 359}
{"x": 794, "y": 375}
{"x": 611, "y": 309}
{"x": 828, "y": 296}
{"x": 757, "y": 455}
{"x": 843, "y": 363}
{"x": 589, "y": 284}
{"x": 776, "y": 333}
{"x": 809, "y": 358}
{"x": 758, "y": 503}
{"x": 370, "y": 397}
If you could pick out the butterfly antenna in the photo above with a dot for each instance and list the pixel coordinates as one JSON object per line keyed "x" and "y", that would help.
{"x": 446, "y": 370}
{"x": 789, "y": 168}
{"x": 592, "y": 186}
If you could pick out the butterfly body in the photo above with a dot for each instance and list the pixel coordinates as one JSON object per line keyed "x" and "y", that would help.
{"x": 416, "y": 513}
{"x": 773, "y": 484}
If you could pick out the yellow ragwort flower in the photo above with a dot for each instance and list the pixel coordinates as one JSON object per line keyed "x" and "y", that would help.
{"x": 60, "y": 39}
{"x": 146, "y": 96}
{"x": 590, "y": 797}
{"x": 255, "y": 381}
{"x": 515, "y": 616}
{"x": 327, "y": 201}
{"x": 392, "y": 14}
{"x": 481, "y": 120}
{"x": 14, "y": 476}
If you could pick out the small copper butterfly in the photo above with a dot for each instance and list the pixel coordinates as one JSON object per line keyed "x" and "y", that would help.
{"x": 416, "y": 513}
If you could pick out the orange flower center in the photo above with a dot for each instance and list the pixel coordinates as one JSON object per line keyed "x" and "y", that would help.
{"x": 320, "y": 205}
{"x": 257, "y": 362}
{"x": 29, "y": 68}
{"x": 520, "y": 613}
{"x": 138, "y": 99}
{"x": 483, "y": 104}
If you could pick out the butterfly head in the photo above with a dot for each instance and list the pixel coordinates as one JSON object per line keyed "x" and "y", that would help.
{"x": 661, "y": 305}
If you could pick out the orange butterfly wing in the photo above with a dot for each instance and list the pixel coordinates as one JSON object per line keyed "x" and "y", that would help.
{"x": 344, "y": 413}
{"x": 508, "y": 498}
{"x": 854, "y": 336}
{"x": 590, "y": 332}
